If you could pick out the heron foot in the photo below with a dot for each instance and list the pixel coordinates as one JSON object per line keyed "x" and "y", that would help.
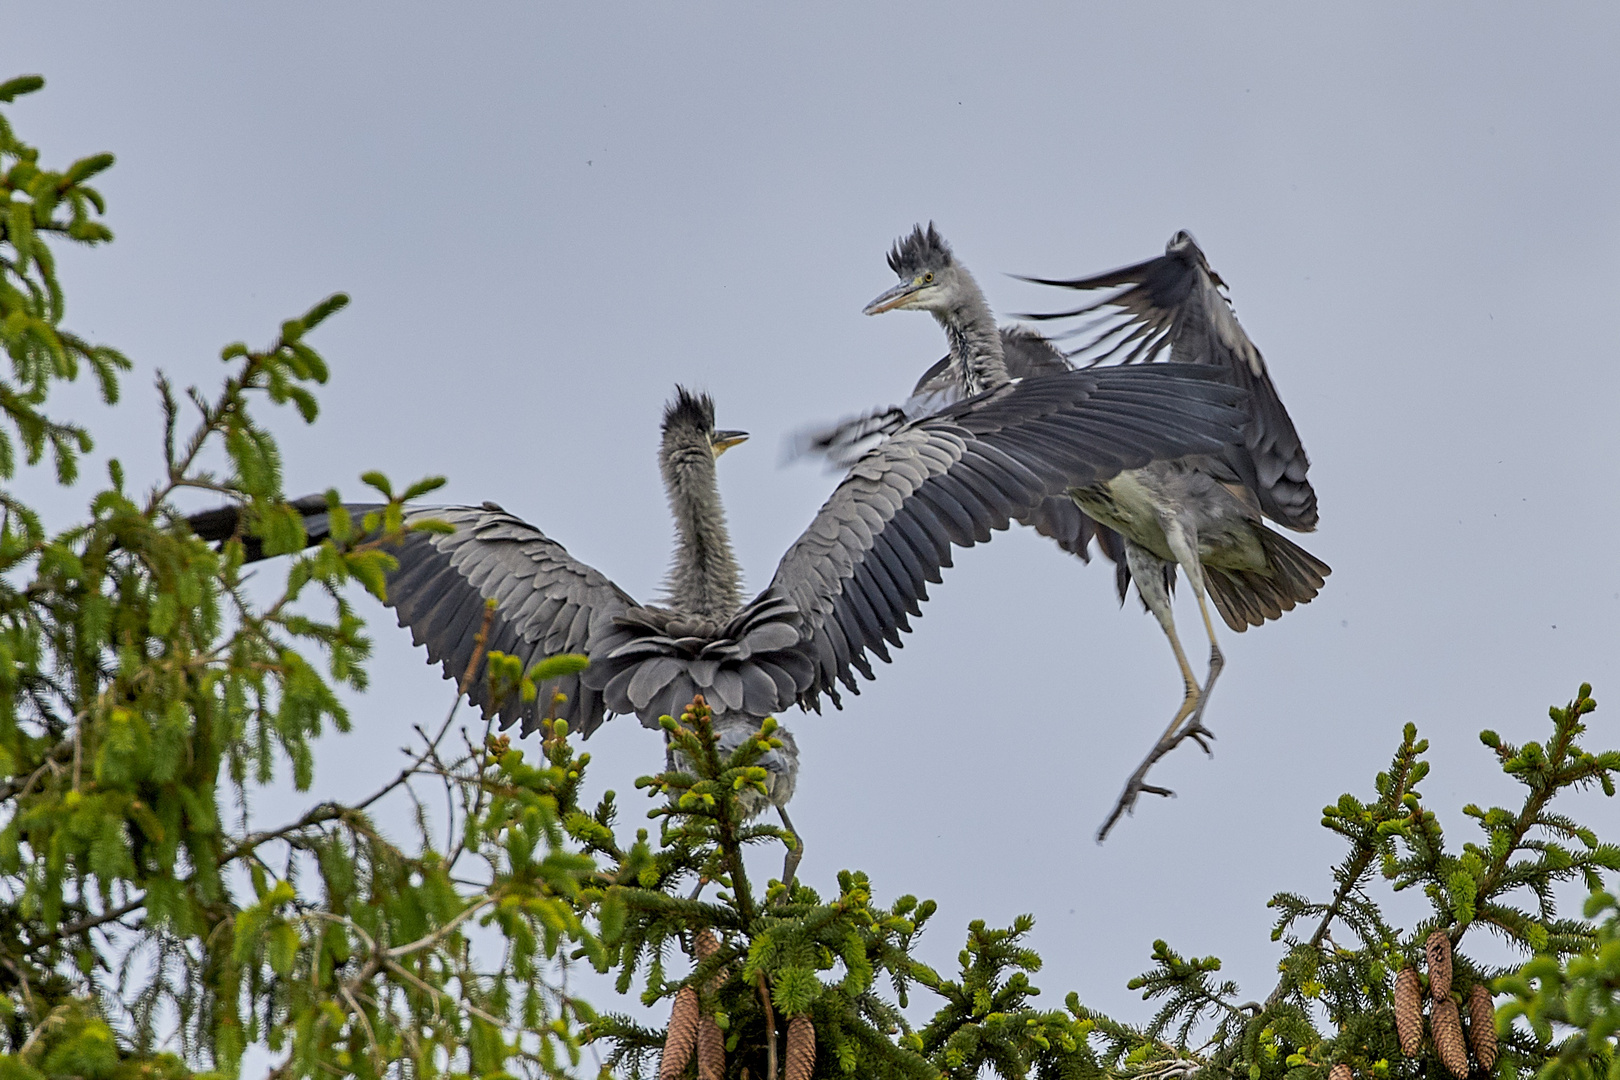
{"x": 1199, "y": 734}
{"x": 1195, "y": 728}
{"x": 1180, "y": 730}
{"x": 1136, "y": 786}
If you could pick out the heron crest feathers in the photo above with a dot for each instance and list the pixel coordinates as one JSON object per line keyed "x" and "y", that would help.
{"x": 688, "y": 411}
{"x": 922, "y": 250}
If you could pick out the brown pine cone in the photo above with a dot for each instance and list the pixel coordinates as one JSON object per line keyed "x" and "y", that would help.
{"x": 1482, "y": 1026}
{"x": 682, "y": 1036}
{"x": 1409, "y": 1011}
{"x": 711, "y": 1049}
{"x": 1438, "y": 951}
{"x": 1341, "y": 1071}
{"x": 704, "y": 946}
{"x": 801, "y": 1049}
{"x": 1448, "y": 1037}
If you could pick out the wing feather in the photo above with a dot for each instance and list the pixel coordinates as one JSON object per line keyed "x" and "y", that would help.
{"x": 547, "y": 602}
{"x": 1174, "y": 304}
{"x": 956, "y": 476}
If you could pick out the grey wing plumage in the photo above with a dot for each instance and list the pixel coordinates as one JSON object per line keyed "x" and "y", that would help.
{"x": 1173, "y": 303}
{"x": 864, "y": 564}
{"x": 1028, "y": 355}
{"x": 1058, "y": 519}
{"x": 844, "y": 443}
{"x": 653, "y": 661}
{"x": 937, "y": 377}
{"x": 546, "y": 602}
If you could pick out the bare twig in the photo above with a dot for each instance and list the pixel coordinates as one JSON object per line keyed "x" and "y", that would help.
{"x": 58, "y": 1017}
{"x": 442, "y": 932}
{"x": 770, "y": 1026}
{"x": 319, "y": 814}
{"x": 330, "y": 811}
{"x": 89, "y": 922}
{"x": 480, "y": 641}
{"x": 22, "y": 983}
{"x": 360, "y": 1015}
{"x": 438, "y": 992}
{"x": 58, "y": 755}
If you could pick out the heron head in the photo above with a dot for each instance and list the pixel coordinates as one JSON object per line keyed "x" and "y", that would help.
{"x": 930, "y": 279}
{"x": 1183, "y": 244}
{"x": 1182, "y": 241}
{"x": 689, "y": 420}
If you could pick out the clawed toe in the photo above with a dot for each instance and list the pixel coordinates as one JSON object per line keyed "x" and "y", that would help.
{"x": 1199, "y": 734}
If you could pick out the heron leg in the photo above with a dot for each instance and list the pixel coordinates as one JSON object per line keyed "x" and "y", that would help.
{"x": 1195, "y": 728}
{"x": 1149, "y": 573}
{"x": 1185, "y": 548}
{"x": 790, "y": 866}
{"x": 1188, "y": 721}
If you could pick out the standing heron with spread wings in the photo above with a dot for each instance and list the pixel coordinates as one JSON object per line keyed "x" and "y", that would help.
{"x": 1201, "y": 512}
{"x": 842, "y": 592}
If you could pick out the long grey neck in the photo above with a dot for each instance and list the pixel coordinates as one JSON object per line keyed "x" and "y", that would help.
{"x": 975, "y": 342}
{"x": 705, "y": 579}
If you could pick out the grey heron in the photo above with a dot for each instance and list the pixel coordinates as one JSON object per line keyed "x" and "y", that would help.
{"x": 1011, "y": 353}
{"x": 841, "y": 594}
{"x": 1201, "y": 513}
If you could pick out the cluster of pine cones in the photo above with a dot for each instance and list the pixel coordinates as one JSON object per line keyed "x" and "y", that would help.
{"x": 692, "y": 1029}
{"x": 1445, "y": 1021}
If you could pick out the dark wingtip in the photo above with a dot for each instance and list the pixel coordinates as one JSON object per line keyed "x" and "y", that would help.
{"x": 1061, "y": 282}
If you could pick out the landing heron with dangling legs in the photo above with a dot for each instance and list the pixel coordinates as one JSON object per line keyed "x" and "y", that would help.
{"x": 1201, "y": 513}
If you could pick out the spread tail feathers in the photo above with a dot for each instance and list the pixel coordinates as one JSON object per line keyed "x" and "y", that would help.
{"x": 1246, "y": 598}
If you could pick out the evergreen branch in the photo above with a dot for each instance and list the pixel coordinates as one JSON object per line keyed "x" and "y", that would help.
{"x": 1367, "y": 840}
{"x": 691, "y": 913}
{"x": 57, "y": 755}
{"x": 88, "y": 923}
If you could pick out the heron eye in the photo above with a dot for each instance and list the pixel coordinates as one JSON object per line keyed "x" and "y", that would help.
{"x": 928, "y": 277}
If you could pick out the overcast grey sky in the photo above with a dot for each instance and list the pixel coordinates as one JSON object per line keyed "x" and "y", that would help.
{"x": 547, "y": 216}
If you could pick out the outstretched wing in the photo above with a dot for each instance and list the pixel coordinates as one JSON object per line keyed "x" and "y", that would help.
{"x": 1031, "y": 355}
{"x": 1028, "y": 355}
{"x": 546, "y": 601}
{"x": 865, "y": 562}
{"x": 1173, "y": 303}
{"x": 1057, "y": 518}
